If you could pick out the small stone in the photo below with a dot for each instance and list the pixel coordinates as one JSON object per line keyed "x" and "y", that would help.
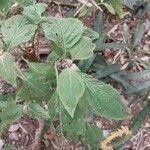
{"x": 105, "y": 133}
{"x": 14, "y": 127}
{"x": 13, "y": 142}
{"x": 13, "y": 136}
{"x": 2, "y": 142}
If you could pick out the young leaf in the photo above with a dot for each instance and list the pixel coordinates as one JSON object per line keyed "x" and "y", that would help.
{"x": 64, "y": 32}
{"x": 34, "y": 12}
{"x": 38, "y": 80}
{"x": 83, "y": 49}
{"x": 70, "y": 89}
{"x": 37, "y": 112}
{"x": 104, "y": 99}
{"x": 8, "y": 68}
{"x": 16, "y": 30}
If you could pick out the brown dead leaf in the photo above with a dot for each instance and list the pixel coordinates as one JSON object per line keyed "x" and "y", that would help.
{"x": 49, "y": 135}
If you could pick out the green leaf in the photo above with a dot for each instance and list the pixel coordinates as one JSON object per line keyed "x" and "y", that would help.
{"x": 9, "y": 147}
{"x": 64, "y": 32}
{"x": 53, "y": 56}
{"x": 107, "y": 71}
{"x": 10, "y": 114}
{"x": 91, "y": 34}
{"x": 5, "y": 100}
{"x": 104, "y": 99}
{"x": 38, "y": 80}
{"x": 83, "y": 49}
{"x": 138, "y": 35}
{"x": 102, "y": 46}
{"x": 84, "y": 65}
{"x": 34, "y": 12}
{"x": 131, "y": 3}
{"x": 37, "y": 112}
{"x": 117, "y": 5}
{"x": 25, "y": 3}
{"x": 4, "y": 5}
{"x": 140, "y": 118}
{"x": 93, "y": 136}
{"x": 8, "y": 68}
{"x": 110, "y": 8}
{"x": 16, "y": 30}
{"x": 139, "y": 75}
{"x": 70, "y": 89}
{"x": 53, "y": 106}
{"x": 76, "y": 126}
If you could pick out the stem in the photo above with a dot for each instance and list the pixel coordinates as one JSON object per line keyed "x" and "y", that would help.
{"x": 56, "y": 71}
{"x": 23, "y": 50}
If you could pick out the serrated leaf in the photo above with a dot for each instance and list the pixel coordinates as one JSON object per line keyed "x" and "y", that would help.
{"x": 37, "y": 112}
{"x": 83, "y": 49}
{"x": 70, "y": 89}
{"x": 64, "y": 32}
{"x": 34, "y": 12}
{"x": 16, "y": 30}
{"x": 38, "y": 80}
{"x": 10, "y": 114}
{"x": 104, "y": 99}
{"x": 8, "y": 68}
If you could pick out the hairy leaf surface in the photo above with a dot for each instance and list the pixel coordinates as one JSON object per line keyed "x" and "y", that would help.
{"x": 25, "y": 3}
{"x": 17, "y": 30}
{"x": 104, "y": 99}
{"x": 83, "y": 49}
{"x": 8, "y": 68}
{"x": 65, "y": 33}
{"x": 37, "y": 112}
{"x": 10, "y": 114}
{"x": 34, "y": 12}
{"x": 70, "y": 89}
{"x": 37, "y": 82}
